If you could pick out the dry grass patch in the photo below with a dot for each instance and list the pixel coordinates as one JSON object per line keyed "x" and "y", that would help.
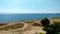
{"x": 36, "y": 24}
{"x": 15, "y": 26}
{"x": 2, "y": 24}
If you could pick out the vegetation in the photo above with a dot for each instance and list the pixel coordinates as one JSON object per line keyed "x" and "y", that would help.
{"x": 48, "y": 27}
{"x": 28, "y": 21}
{"x": 52, "y": 28}
{"x": 2, "y": 24}
{"x": 45, "y": 22}
{"x": 38, "y": 33}
{"x": 36, "y": 24}
{"x": 15, "y": 26}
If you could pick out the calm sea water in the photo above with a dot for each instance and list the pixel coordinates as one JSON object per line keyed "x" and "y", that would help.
{"x": 12, "y": 17}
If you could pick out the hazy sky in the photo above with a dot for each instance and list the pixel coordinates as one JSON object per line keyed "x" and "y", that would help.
{"x": 29, "y": 6}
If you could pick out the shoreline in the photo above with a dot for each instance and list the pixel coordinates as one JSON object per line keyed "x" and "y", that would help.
{"x": 32, "y": 19}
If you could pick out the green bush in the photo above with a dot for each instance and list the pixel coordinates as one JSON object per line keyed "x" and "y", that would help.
{"x": 53, "y": 28}
{"x": 45, "y": 22}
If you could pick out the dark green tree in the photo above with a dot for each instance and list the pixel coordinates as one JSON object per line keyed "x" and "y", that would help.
{"x": 45, "y": 22}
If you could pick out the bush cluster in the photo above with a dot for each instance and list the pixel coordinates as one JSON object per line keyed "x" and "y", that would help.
{"x": 52, "y": 28}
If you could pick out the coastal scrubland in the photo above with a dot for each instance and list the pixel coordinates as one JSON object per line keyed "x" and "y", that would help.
{"x": 27, "y": 26}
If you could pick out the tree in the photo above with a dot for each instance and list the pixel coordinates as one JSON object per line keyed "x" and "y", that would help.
{"x": 52, "y": 28}
{"x": 45, "y": 22}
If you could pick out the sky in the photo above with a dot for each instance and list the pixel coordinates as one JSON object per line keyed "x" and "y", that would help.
{"x": 29, "y": 6}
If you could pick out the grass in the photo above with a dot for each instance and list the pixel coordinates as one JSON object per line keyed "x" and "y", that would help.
{"x": 15, "y": 26}
{"x": 38, "y": 33}
{"x": 35, "y": 24}
{"x": 2, "y": 24}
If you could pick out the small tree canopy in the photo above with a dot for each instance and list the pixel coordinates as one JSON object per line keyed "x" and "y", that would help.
{"x": 45, "y": 22}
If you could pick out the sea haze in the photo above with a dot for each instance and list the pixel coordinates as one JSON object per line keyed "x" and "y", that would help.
{"x": 14, "y": 17}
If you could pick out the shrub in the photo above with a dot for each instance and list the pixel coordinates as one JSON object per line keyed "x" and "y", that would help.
{"x": 36, "y": 24}
{"x": 45, "y": 22}
{"x": 54, "y": 28}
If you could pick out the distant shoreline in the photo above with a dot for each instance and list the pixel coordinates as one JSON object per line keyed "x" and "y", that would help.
{"x": 33, "y": 19}
{"x": 15, "y": 17}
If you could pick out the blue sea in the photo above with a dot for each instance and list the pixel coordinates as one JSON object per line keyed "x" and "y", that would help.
{"x": 14, "y": 17}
